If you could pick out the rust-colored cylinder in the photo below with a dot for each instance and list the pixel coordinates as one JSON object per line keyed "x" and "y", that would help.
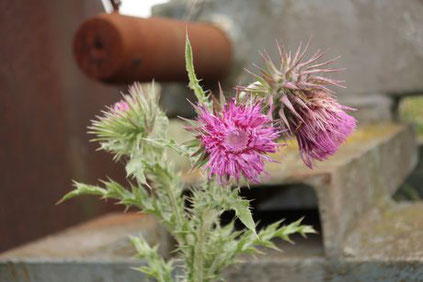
{"x": 121, "y": 49}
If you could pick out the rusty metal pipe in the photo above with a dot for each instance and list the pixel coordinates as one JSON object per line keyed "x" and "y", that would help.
{"x": 121, "y": 49}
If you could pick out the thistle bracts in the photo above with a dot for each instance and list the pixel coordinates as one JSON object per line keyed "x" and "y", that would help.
{"x": 300, "y": 98}
{"x": 124, "y": 127}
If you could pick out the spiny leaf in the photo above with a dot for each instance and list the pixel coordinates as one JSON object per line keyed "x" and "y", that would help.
{"x": 295, "y": 227}
{"x": 82, "y": 189}
{"x": 157, "y": 267}
{"x": 135, "y": 168}
{"x": 137, "y": 197}
{"x": 243, "y": 212}
{"x": 194, "y": 82}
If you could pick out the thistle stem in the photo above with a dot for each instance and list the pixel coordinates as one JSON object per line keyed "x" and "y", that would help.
{"x": 179, "y": 217}
{"x": 198, "y": 268}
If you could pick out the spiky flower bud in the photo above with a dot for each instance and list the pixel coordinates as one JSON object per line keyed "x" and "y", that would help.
{"x": 298, "y": 93}
{"x": 124, "y": 126}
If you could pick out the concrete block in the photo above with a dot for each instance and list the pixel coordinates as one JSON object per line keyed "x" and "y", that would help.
{"x": 372, "y": 108}
{"x": 105, "y": 237}
{"x": 392, "y": 232}
{"x": 381, "y": 42}
{"x": 304, "y": 261}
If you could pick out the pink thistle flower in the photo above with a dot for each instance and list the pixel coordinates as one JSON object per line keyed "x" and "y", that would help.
{"x": 299, "y": 93}
{"x": 121, "y": 106}
{"x": 236, "y": 140}
{"x": 324, "y": 128}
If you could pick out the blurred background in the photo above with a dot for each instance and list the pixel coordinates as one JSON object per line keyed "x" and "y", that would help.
{"x": 46, "y": 104}
{"x": 47, "y": 101}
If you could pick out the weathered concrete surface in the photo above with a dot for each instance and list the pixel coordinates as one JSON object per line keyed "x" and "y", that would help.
{"x": 412, "y": 188}
{"x": 381, "y": 42}
{"x": 304, "y": 261}
{"x": 372, "y": 108}
{"x": 318, "y": 269}
{"x": 365, "y": 171}
{"x": 393, "y": 232}
{"x": 70, "y": 271}
{"x": 106, "y": 238}
{"x": 299, "y": 269}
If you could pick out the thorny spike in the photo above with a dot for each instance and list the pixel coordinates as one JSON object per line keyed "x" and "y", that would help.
{"x": 324, "y": 63}
{"x": 253, "y": 74}
{"x": 288, "y": 60}
{"x": 316, "y": 56}
{"x": 288, "y": 104}
{"x": 294, "y": 61}
{"x": 222, "y": 99}
{"x": 329, "y": 81}
{"x": 291, "y": 86}
{"x": 267, "y": 60}
{"x": 284, "y": 55}
{"x": 316, "y": 86}
{"x": 312, "y": 71}
{"x": 298, "y": 60}
{"x": 281, "y": 55}
{"x": 305, "y": 49}
{"x": 265, "y": 73}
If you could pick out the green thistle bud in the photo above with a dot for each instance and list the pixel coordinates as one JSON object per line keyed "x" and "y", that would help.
{"x": 124, "y": 127}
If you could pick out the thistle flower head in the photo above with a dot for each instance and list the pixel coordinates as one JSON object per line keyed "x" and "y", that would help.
{"x": 236, "y": 140}
{"x": 324, "y": 128}
{"x": 124, "y": 126}
{"x": 298, "y": 92}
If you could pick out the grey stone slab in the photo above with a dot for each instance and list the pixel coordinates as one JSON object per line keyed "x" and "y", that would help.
{"x": 381, "y": 42}
{"x": 304, "y": 261}
{"x": 274, "y": 270}
{"x": 69, "y": 271}
{"x": 392, "y": 232}
{"x": 106, "y": 237}
{"x": 371, "y": 108}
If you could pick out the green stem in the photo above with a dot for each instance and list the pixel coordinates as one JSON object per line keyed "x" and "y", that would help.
{"x": 198, "y": 268}
{"x": 178, "y": 216}
{"x": 198, "y": 263}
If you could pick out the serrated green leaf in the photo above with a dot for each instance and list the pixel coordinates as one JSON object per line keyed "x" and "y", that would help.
{"x": 135, "y": 168}
{"x": 157, "y": 267}
{"x": 243, "y": 212}
{"x": 82, "y": 189}
{"x": 194, "y": 82}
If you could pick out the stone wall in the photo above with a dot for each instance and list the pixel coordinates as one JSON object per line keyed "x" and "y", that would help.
{"x": 380, "y": 42}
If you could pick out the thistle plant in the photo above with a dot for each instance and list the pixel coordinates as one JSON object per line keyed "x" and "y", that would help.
{"x": 231, "y": 144}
